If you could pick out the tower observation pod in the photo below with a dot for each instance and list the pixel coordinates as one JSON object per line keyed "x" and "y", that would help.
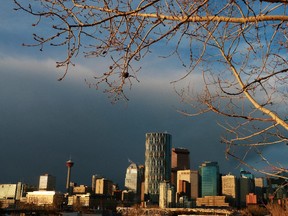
{"x": 69, "y": 165}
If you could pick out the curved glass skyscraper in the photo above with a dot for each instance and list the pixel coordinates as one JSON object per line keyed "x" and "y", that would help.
{"x": 157, "y": 162}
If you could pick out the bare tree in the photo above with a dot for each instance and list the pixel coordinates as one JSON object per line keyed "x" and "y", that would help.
{"x": 239, "y": 46}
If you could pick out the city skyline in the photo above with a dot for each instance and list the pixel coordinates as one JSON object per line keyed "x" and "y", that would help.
{"x": 44, "y": 121}
{"x": 42, "y": 179}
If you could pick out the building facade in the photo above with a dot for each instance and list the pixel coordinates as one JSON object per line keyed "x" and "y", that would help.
{"x": 44, "y": 198}
{"x": 10, "y": 194}
{"x": 157, "y": 163}
{"x": 47, "y": 182}
{"x": 179, "y": 161}
{"x": 166, "y": 195}
{"x": 230, "y": 189}
{"x": 209, "y": 174}
{"x": 133, "y": 179}
{"x": 188, "y": 183}
{"x": 246, "y": 186}
{"x": 104, "y": 186}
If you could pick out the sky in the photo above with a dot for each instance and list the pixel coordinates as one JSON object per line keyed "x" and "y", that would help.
{"x": 45, "y": 122}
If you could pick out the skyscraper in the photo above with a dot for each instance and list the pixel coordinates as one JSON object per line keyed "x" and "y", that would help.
{"x": 131, "y": 178}
{"x": 94, "y": 179}
{"x": 246, "y": 184}
{"x": 191, "y": 179}
{"x": 134, "y": 178}
{"x": 209, "y": 173}
{"x": 230, "y": 189}
{"x": 179, "y": 161}
{"x": 47, "y": 182}
{"x": 157, "y": 163}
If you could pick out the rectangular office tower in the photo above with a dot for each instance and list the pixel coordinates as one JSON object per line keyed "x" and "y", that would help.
{"x": 209, "y": 173}
{"x": 157, "y": 163}
{"x": 230, "y": 189}
{"x": 179, "y": 161}
{"x": 47, "y": 182}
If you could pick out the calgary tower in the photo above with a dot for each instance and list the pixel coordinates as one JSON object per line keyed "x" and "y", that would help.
{"x": 69, "y": 165}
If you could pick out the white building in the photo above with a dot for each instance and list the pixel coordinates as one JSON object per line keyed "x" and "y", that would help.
{"x": 42, "y": 198}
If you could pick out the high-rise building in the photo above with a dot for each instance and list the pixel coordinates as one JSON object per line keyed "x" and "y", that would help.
{"x": 209, "y": 173}
{"x": 104, "y": 186}
{"x": 188, "y": 183}
{"x": 246, "y": 186}
{"x": 230, "y": 189}
{"x": 259, "y": 189}
{"x": 131, "y": 178}
{"x": 94, "y": 179}
{"x": 179, "y": 161}
{"x": 134, "y": 178}
{"x": 246, "y": 174}
{"x": 166, "y": 195}
{"x": 157, "y": 163}
{"x": 47, "y": 182}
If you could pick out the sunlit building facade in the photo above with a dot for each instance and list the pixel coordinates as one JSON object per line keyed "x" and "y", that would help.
{"x": 188, "y": 183}
{"x": 104, "y": 186}
{"x": 47, "y": 182}
{"x": 157, "y": 163}
{"x": 134, "y": 178}
{"x": 230, "y": 189}
{"x": 166, "y": 195}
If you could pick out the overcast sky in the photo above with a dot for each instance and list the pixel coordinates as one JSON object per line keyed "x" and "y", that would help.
{"x": 44, "y": 122}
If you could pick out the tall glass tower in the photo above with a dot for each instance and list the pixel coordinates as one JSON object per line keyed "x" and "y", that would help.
{"x": 209, "y": 172}
{"x": 157, "y": 163}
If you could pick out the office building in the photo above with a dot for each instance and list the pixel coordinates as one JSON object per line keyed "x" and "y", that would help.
{"x": 230, "y": 189}
{"x": 212, "y": 201}
{"x": 10, "y": 194}
{"x": 179, "y": 161}
{"x": 131, "y": 178}
{"x": 259, "y": 189}
{"x": 134, "y": 178}
{"x": 94, "y": 179}
{"x": 157, "y": 163}
{"x": 104, "y": 186}
{"x": 246, "y": 186}
{"x": 166, "y": 195}
{"x": 45, "y": 198}
{"x": 188, "y": 183}
{"x": 47, "y": 182}
{"x": 209, "y": 174}
{"x": 81, "y": 189}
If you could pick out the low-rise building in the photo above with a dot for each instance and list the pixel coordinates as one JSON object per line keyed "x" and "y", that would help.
{"x": 45, "y": 198}
{"x": 212, "y": 201}
{"x": 10, "y": 194}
